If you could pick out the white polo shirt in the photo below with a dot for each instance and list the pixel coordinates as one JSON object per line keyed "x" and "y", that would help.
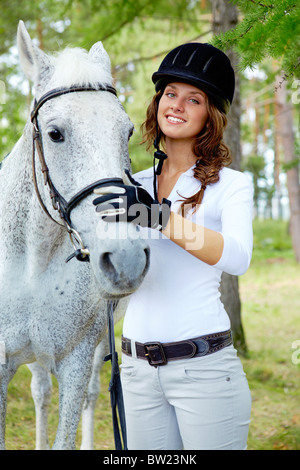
{"x": 179, "y": 297}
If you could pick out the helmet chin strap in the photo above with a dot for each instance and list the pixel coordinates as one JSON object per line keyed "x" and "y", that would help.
{"x": 161, "y": 156}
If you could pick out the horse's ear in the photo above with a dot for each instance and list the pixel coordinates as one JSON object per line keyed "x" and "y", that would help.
{"x": 33, "y": 60}
{"x": 98, "y": 54}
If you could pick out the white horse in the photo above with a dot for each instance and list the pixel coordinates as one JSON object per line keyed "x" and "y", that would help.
{"x": 41, "y": 389}
{"x": 52, "y": 312}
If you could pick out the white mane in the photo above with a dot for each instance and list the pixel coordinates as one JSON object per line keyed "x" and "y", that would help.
{"x": 77, "y": 67}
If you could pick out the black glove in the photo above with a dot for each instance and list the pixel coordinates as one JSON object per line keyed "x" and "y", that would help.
{"x": 128, "y": 201}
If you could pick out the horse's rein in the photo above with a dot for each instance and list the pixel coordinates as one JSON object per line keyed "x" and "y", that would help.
{"x": 63, "y": 207}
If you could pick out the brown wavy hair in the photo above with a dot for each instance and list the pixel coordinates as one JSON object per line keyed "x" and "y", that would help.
{"x": 211, "y": 152}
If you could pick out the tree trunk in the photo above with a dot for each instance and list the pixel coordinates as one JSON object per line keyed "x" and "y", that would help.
{"x": 287, "y": 139}
{"x": 39, "y": 30}
{"x": 225, "y": 17}
{"x": 277, "y": 141}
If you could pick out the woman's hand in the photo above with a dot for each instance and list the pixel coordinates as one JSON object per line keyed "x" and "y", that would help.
{"x": 130, "y": 202}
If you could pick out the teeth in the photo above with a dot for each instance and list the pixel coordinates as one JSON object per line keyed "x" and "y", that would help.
{"x": 174, "y": 119}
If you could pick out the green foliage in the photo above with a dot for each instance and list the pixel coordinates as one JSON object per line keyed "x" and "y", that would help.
{"x": 135, "y": 33}
{"x": 269, "y": 294}
{"x": 271, "y": 239}
{"x": 255, "y": 164}
{"x": 45, "y": 14}
{"x": 268, "y": 29}
{"x": 294, "y": 163}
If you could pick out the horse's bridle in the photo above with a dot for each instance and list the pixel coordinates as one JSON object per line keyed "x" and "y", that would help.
{"x": 80, "y": 251}
{"x": 63, "y": 207}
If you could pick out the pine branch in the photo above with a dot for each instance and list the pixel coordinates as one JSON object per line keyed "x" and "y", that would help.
{"x": 266, "y": 31}
{"x": 126, "y": 21}
{"x": 155, "y": 56}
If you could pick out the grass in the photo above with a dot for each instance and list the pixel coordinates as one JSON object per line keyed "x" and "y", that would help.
{"x": 270, "y": 312}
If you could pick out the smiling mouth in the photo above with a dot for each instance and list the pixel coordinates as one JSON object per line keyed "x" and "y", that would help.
{"x": 174, "y": 120}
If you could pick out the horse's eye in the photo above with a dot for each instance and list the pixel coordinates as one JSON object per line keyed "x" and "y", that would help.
{"x": 55, "y": 135}
{"x": 130, "y": 133}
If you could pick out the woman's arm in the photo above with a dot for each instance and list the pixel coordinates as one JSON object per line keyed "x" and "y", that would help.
{"x": 207, "y": 245}
{"x": 228, "y": 249}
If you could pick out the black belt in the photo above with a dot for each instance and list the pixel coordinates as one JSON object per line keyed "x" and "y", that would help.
{"x": 158, "y": 354}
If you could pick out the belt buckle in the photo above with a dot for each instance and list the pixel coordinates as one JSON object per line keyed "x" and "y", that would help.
{"x": 126, "y": 346}
{"x": 155, "y": 354}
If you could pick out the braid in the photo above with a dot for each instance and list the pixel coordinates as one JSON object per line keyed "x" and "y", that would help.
{"x": 213, "y": 154}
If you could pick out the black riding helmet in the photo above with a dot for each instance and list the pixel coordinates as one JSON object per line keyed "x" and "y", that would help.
{"x": 201, "y": 65}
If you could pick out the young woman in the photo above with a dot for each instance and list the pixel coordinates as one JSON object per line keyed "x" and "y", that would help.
{"x": 183, "y": 384}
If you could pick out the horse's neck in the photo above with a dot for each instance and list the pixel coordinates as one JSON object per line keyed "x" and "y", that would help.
{"x": 24, "y": 228}
{"x": 15, "y": 187}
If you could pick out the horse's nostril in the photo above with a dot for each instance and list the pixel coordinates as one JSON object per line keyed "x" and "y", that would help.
{"x": 147, "y": 254}
{"x": 106, "y": 264}
{"x": 119, "y": 268}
